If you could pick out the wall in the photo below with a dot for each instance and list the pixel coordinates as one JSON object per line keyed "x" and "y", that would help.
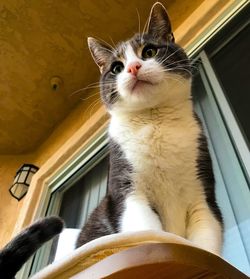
{"x": 67, "y": 128}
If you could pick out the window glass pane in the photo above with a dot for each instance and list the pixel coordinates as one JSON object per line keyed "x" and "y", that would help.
{"x": 80, "y": 199}
{"x": 77, "y": 204}
{"x": 231, "y": 187}
{"x": 231, "y": 63}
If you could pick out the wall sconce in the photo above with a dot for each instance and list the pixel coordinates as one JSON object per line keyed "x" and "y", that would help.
{"x": 22, "y": 181}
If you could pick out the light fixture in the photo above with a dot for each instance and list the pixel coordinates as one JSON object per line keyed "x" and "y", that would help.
{"x": 22, "y": 181}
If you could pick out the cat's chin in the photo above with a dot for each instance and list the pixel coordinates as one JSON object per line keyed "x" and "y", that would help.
{"x": 169, "y": 92}
{"x": 140, "y": 85}
{"x": 138, "y": 100}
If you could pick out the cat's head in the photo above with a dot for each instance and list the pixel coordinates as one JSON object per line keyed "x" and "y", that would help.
{"x": 148, "y": 70}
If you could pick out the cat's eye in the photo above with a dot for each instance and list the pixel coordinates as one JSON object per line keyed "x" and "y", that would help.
{"x": 117, "y": 67}
{"x": 149, "y": 51}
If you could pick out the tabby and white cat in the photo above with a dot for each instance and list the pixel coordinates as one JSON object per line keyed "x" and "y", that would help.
{"x": 160, "y": 169}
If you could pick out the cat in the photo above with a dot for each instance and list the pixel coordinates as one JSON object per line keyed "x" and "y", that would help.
{"x": 26, "y": 243}
{"x": 160, "y": 173}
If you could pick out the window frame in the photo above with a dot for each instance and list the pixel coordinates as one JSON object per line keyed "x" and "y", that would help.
{"x": 230, "y": 177}
{"x": 88, "y": 158}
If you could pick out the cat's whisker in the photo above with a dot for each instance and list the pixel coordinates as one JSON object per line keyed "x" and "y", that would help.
{"x": 114, "y": 46}
{"x": 164, "y": 71}
{"x": 110, "y": 51}
{"x": 93, "y": 86}
{"x": 183, "y": 60}
{"x": 99, "y": 85}
{"x": 89, "y": 97}
{"x": 77, "y": 91}
{"x": 87, "y": 88}
{"x": 166, "y": 58}
{"x": 175, "y": 62}
{"x": 176, "y": 78}
{"x": 139, "y": 22}
{"x": 89, "y": 108}
{"x": 174, "y": 69}
{"x": 174, "y": 66}
{"x": 179, "y": 49}
{"x": 94, "y": 105}
{"x": 82, "y": 89}
{"x": 108, "y": 44}
{"x": 145, "y": 28}
{"x": 158, "y": 71}
{"x": 181, "y": 69}
{"x": 92, "y": 94}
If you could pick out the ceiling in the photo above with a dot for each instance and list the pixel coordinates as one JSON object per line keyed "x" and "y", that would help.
{"x": 43, "y": 39}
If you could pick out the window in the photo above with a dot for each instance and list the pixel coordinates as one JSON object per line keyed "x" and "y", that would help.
{"x": 231, "y": 185}
{"x": 77, "y": 203}
{"x": 86, "y": 193}
{"x": 73, "y": 194}
{"x": 221, "y": 94}
{"x": 229, "y": 55}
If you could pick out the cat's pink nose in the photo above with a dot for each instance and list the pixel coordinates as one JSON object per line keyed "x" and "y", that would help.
{"x": 133, "y": 68}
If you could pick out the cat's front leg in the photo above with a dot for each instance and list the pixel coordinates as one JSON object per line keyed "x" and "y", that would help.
{"x": 138, "y": 215}
{"x": 204, "y": 229}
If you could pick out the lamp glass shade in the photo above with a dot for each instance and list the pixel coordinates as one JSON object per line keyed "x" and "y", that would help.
{"x": 29, "y": 177}
{"x": 18, "y": 191}
{"x": 16, "y": 178}
{"x": 22, "y": 181}
{"x": 22, "y": 177}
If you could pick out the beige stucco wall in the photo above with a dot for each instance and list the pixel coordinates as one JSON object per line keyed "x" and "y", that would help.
{"x": 66, "y": 129}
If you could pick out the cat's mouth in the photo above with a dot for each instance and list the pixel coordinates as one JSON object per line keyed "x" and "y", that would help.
{"x": 139, "y": 83}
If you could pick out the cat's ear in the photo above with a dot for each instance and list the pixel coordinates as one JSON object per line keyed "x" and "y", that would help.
{"x": 99, "y": 51}
{"x": 159, "y": 23}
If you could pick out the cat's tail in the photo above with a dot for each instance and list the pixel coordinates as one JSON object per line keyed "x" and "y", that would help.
{"x": 25, "y": 244}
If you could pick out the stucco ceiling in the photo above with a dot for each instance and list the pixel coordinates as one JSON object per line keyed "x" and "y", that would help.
{"x": 43, "y": 39}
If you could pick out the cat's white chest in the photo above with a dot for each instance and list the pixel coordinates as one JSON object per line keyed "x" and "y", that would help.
{"x": 158, "y": 145}
{"x": 163, "y": 155}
